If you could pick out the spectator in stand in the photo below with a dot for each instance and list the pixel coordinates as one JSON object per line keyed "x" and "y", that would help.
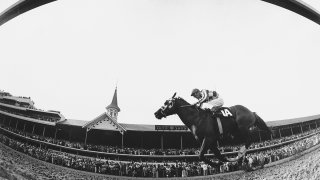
{"x": 139, "y": 169}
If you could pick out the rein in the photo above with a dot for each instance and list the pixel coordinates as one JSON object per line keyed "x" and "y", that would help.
{"x": 187, "y": 105}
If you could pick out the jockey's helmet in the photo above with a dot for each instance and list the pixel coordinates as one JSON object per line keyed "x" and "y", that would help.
{"x": 194, "y": 91}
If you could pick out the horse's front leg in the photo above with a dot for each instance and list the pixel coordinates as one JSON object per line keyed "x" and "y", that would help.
{"x": 206, "y": 143}
{"x": 203, "y": 149}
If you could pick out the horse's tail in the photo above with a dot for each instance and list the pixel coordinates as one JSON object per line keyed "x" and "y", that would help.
{"x": 261, "y": 124}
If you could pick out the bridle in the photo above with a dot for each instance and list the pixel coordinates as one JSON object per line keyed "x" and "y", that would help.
{"x": 165, "y": 107}
{"x": 164, "y": 114}
{"x": 171, "y": 101}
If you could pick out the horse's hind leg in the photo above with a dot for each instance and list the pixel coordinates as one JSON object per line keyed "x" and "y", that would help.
{"x": 245, "y": 134}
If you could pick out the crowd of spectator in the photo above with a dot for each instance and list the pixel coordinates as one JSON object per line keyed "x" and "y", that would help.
{"x": 266, "y": 143}
{"x": 167, "y": 169}
{"x": 25, "y": 103}
{"x": 29, "y": 105}
{"x": 33, "y": 115}
{"x": 154, "y": 151}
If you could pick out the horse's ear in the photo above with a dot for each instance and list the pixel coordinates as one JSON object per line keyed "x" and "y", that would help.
{"x": 174, "y": 95}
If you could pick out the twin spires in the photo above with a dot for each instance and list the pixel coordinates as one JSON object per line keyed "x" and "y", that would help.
{"x": 113, "y": 108}
{"x": 107, "y": 120}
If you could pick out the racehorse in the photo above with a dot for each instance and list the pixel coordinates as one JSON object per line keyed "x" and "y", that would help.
{"x": 205, "y": 127}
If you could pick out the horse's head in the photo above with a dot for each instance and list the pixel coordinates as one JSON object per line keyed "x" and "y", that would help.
{"x": 167, "y": 109}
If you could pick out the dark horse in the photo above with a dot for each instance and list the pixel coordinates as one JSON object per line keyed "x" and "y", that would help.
{"x": 204, "y": 126}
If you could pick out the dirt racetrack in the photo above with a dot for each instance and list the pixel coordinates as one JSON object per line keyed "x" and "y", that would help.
{"x": 16, "y": 165}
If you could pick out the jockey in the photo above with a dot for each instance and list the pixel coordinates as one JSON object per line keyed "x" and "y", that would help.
{"x": 210, "y": 97}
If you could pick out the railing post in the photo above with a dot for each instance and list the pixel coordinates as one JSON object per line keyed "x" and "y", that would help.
{"x": 181, "y": 141}
{"x": 44, "y": 130}
{"x": 33, "y": 129}
{"x": 55, "y": 135}
{"x": 141, "y": 142}
{"x": 17, "y": 124}
{"x": 161, "y": 141}
{"x": 24, "y": 127}
{"x": 280, "y": 133}
{"x": 122, "y": 134}
{"x": 85, "y": 140}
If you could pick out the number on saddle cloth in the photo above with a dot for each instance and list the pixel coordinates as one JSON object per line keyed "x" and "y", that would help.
{"x": 224, "y": 112}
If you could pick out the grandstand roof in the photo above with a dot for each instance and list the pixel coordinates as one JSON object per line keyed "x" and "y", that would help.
{"x": 73, "y": 122}
{"x": 139, "y": 127}
{"x": 130, "y": 127}
{"x": 27, "y": 118}
{"x": 145, "y": 127}
{"x": 292, "y": 121}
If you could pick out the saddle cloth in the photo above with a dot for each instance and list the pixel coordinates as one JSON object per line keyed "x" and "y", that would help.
{"x": 223, "y": 113}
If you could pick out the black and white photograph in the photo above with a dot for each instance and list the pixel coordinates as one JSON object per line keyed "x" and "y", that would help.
{"x": 159, "y": 89}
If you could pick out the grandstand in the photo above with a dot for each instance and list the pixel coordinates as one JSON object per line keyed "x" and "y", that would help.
{"x": 103, "y": 145}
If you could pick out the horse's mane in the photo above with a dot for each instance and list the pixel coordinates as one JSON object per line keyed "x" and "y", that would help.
{"x": 199, "y": 112}
{"x": 180, "y": 98}
{"x": 187, "y": 103}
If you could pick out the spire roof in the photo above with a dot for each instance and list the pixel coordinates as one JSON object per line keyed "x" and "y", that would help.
{"x": 114, "y": 103}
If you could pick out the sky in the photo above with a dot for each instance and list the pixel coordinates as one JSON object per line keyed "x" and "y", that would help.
{"x": 70, "y": 55}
